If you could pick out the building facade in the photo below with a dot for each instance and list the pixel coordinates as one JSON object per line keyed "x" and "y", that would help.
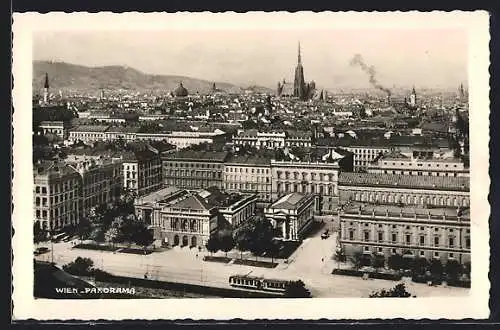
{"x": 56, "y": 194}
{"x": 101, "y": 180}
{"x": 292, "y": 214}
{"x": 436, "y": 233}
{"x": 54, "y": 127}
{"x": 319, "y": 178}
{"x": 194, "y": 170}
{"x": 398, "y": 189}
{"x": 142, "y": 172}
{"x": 249, "y": 175}
{"x": 420, "y": 167}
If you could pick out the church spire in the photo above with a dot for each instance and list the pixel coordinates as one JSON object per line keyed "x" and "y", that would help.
{"x": 299, "y": 61}
{"x": 46, "y": 83}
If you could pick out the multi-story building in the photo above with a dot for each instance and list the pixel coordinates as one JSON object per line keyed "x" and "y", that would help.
{"x": 400, "y": 189}
{"x": 142, "y": 171}
{"x": 365, "y": 154}
{"x": 101, "y": 180}
{"x": 193, "y": 169}
{"x": 189, "y": 218}
{"x": 254, "y": 138}
{"x": 401, "y": 164}
{"x": 249, "y": 174}
{"x": 319, "y": 178}
{"x": 88, "y": 133}
{"x": 56, "y": 195}
{"x": 298, "y": 139}
{"x": 273, "y": 139}
{"x": 293, "y": 214}
{"x": 440, "y": 233}
{"x": 184, "y": 139}
{"x": 58, "y": 128}
{"x": 115, "y": 133}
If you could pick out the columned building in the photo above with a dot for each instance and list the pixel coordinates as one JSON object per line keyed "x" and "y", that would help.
{"x": 292, "y": 214}
{"x": 432, "y": 233}
{"x": 398, "y": 189}
{"x": 249, "y": 174}
{"x": 319, "y": 178}
{"x": 194, "y": 170}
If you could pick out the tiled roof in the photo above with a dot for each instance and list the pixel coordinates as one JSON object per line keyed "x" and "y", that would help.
{"x": 248, "y": 160}
{"x": 290, "y": 201}
{"x": 53, "y": 169}
{"x": 192, "y": 202}
{"x": 404, "y": 181}
{"x": 408, "y": 211}
{"x": 90, "y": 128}
{"x": 218, "y": 156}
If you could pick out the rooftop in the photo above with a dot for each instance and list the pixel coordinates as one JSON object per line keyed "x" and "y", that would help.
{"x": 218, "y": 156}
{"x": 90, "y": 128}
{"x": 290, "y": 201}
{"x": 404, "y": 181}
{"x": 248, "y": 160}
{"x": 410, "y": 211}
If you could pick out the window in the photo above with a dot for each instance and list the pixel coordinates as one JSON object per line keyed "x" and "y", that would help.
{"x": 467, "y": 242}
{"x": 380, "y": 250}
{"x": 380, "y": 236}
{"x": 422, "y": 240}
{"x": 451, "y": 230}
{"x": 37, "y": 189}
{"x": 351, "y": 235}
{"x": 366, "y": 248}
{"x": 422, "y": 253}
{"x": 394, "y": 238}
{"x": 436, "y": 241}
{"x": 44, "y": 190}
{"x": 394, "y": 251}
{"x": 451, "y": 242}
{"x": 408, "y": 239}
{"x": 367, "y": 236}
{"x": 451, "y": 255}
{"x": 422, "y": 228}
{"x": 380, "y": 226}
{"x": 436, "y": 254}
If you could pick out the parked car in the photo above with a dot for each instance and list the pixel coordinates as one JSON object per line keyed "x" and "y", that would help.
{"x": 41, "y": 250}
{"x": 325, "y": 236}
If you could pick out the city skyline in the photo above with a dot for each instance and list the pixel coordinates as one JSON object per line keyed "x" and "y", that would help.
{"x": 424, "y": 58}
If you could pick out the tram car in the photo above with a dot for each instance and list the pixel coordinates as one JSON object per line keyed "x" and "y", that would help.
{"x": 258, "y": 283}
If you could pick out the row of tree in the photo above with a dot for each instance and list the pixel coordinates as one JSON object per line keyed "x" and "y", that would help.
{"x": 418, "y": 266}
{"x": 255, "y": 235}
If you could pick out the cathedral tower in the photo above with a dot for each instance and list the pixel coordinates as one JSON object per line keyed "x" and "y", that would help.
{"x": 46, "y": 89}
{"x": 299, "y": 85}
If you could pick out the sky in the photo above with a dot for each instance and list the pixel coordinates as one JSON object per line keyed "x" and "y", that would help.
{"x": 426, "y": 58}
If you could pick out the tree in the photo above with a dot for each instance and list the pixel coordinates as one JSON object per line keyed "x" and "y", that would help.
{"x": 436, "y": 268}
{"x": 420, "y": 266}
{"x": 379, "y": 261}
{"x": 213, "y": 244}
{"x": 453, "y": 269}
{"x": 227, "y": 243}
{"x": 356, "y": 259}
{"x": 97, "y": 234}
{"x": 399, "y": 291}
{"x": 243, "y": 242}
{"x": 84, "y": 228}
{"x": 80, "y": 267}
{"x": 143, "y": 237}
{"x": 297, "y": 289}
{"x": 395, "y": 262}
{"x": 39, "y": 234}
{"x": 111, "y": 235}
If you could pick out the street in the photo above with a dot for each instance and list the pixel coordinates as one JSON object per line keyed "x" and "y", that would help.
{"x": 312, "y": 262}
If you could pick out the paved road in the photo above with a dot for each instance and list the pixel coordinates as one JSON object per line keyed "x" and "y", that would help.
{"x": 312, "y": 263}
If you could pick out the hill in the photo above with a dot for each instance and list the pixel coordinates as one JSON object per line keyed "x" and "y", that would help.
{"x": 71, "y": 78}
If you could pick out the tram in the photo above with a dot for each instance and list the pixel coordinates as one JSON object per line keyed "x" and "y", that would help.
{"x": 258, "y": 283}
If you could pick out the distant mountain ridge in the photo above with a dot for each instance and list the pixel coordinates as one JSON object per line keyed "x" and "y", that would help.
{"x": 89, "y": 80}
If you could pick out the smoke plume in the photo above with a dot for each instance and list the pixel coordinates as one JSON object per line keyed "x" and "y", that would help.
{"x": 357, "y": 60}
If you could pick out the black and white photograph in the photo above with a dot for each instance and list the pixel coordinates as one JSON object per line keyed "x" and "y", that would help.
{"x": 180, "y": 158}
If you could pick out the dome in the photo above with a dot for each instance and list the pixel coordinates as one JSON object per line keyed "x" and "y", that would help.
{"x": 180, "y": 91}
